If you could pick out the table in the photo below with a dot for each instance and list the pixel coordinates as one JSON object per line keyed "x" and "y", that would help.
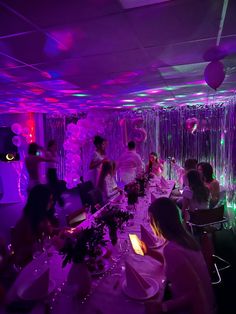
{"x": 106, "y": 293}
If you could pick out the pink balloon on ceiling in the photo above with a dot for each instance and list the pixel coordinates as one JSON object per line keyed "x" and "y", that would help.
{"x": 214, "y": 74}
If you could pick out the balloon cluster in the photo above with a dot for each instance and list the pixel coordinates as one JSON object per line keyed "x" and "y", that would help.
{"x": 77, "y": 135}
{"x": 22, "y": 134}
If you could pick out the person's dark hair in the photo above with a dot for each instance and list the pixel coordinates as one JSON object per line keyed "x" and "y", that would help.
{"x": 190, "y": 164}
{"x": 98, "y": 140}
{"x": 200, "y": 191}
{"x": 36, "y": 208}
{"x": 166, "y": 218}
{"x": 150, "y": 163}
{"x": 107, "y": 168}
{"x": 131, "y": 145}
{"x": 207, "y": 171}
{"x": 51, "y": 143}
{"x": 33, "y": 148}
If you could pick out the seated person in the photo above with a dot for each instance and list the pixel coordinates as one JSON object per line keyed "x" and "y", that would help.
{"x": 206, "y": 173}
{"x": 185, "y": 268}
{"x": 155, "y": 166}
{"x": 106, "y": 181}
{"x": 196, "y": 195}
{"x": 32, "y": 226}
{"x": 190, "y": 164}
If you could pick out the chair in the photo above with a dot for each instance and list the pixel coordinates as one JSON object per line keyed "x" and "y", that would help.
{"x": 84, "y": 189}
{"x": 204, "y": 223}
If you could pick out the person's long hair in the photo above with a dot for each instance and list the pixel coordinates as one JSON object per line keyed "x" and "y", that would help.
{"x": 165, "y": 220}
{"x": 106, "y": 169}
{"x": 200, "y": 191}
{"x": 150, "y": 164}
{"x": 207, "y": 171}
{"x": 36, "y": 208}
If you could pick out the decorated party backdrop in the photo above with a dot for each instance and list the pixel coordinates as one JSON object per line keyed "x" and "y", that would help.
{"x": 207, "y": 133}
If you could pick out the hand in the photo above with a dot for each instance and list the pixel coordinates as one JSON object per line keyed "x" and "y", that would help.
{"x": 153, "y": 307}
{"x": 143, "y": 247}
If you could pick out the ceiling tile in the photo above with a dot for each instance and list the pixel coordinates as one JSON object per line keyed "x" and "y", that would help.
{"x": 179, "y": 21}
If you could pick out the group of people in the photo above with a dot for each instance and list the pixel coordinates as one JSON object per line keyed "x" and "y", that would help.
{"x": 103, "y": 172}
{"x": 185, "y": 267}
{"x": 200, "y": 190}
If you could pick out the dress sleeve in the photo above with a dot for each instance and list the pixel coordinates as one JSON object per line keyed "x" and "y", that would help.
{"x": 183, "y": 279}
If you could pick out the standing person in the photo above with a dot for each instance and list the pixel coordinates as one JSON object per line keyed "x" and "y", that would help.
{"x": 32, "y": 162}
{"x": 206, "y": 172}
{"x": 51, "y": 154}
{"x": 185, "y": 267}
{"x": 130, "y": 164}
{"x": 98, "y": 157}
{"x": 56, "y": 186}
{"x": 154, "y": 166}
{"x": 33, "y": 225}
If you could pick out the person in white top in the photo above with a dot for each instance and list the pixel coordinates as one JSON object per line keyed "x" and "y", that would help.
{"x": 130, "y": 164}
{"x": 106, "y": 181}
{"x": 196, "y": 195}
{"x": 185, "y": 268}
{"x": 181, "y": 173}
{"x": 98, "y": 157}
{"x": 32, "y": 162}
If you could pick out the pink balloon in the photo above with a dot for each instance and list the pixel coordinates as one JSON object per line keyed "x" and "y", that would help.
{"x": 192, "y": 124}
{"x": 16, "y": 128}
{"x": 16, "y": 140}
{"x": 141, "y": 135}
{"x": 214, "y": 74}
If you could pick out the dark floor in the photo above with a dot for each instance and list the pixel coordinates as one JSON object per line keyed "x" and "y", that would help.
{"x": 225, "y": 246}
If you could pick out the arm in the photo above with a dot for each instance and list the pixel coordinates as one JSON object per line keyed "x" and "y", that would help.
{"x": 184, "y": 280}
{"x": 215, "y": 191}
{"x": 95, "y": 162}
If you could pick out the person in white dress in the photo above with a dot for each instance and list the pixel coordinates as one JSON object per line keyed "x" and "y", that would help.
{"x": 106, "y": 181}
{"x": 129, "y": 165}
{"x": 98, "y": 157}
{"x": 196, "y": 195}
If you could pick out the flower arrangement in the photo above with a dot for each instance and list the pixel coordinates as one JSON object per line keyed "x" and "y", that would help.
{"x": 83, "y": 246}
{"x": 132, "y": 190}
{"x": 142, "y": 181}
{"x": 113, "y": 219}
